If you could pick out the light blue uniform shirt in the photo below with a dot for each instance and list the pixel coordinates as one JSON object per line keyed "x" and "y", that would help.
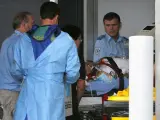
{"x": 7, "y": 80}
{"x": 106, "y": 46}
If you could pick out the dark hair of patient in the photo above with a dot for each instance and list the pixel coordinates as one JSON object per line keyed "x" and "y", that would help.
{"x": 73, "y": 31}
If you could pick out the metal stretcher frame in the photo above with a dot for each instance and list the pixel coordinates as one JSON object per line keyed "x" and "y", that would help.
{"x": 113, "y": 102}
{"x": 121, "y": 102}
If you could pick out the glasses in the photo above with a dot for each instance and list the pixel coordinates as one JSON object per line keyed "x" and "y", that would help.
{"x": 80, "y": 38}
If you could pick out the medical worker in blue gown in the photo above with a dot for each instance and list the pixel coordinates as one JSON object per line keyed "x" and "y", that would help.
{"x": 47, "y": 58}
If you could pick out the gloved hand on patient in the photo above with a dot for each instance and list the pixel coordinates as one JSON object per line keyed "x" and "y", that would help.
{"x": 107, "y": 74}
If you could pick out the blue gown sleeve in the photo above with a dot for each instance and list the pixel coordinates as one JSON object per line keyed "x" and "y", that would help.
{"x": 73, "y": 65}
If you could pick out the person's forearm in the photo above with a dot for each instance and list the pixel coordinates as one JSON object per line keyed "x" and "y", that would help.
{"x": 79, "y": 94}
{"x": 80, "y": 89}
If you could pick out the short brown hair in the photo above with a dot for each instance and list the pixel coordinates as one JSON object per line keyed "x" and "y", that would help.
{"x": 19, "y": 18}
{"x": 49, "y": 10}
{"x": 112, "y": 15}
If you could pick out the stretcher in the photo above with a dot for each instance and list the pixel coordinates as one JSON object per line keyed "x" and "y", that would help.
{"x": 121, "y": 100}
{"x": 115, "y": 107}
{"x": 126, "y": 118}
{"x": 110, "y": 105}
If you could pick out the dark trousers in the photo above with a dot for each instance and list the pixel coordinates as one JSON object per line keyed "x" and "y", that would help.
{"x": 76, "y": 115}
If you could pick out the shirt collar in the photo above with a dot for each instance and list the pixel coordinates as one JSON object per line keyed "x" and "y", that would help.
{"x": 25, "y": 36}
{"x": 18, "y": 32}
{"x": 110, "y": 38}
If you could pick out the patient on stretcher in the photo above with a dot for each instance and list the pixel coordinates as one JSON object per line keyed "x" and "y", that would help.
{"x": 107, "y": 74}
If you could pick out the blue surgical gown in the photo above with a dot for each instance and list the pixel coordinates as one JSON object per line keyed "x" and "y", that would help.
{"x": 42, "y": 93}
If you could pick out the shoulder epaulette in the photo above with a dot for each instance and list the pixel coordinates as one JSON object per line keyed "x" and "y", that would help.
{"x": 125, "y": 38}
{"x": 101, "y": 37}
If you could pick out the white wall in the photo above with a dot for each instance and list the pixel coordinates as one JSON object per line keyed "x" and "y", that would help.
{"x": 135, "y": 14}
{"x": 90, "y": 27}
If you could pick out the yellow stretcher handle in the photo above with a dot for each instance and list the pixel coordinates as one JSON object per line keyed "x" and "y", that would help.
{"x": 124, "y": 95}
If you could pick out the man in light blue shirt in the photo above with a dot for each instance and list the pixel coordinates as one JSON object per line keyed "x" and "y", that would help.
{"x": 111, "y": 44}
{"x": 10, "y": 84}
